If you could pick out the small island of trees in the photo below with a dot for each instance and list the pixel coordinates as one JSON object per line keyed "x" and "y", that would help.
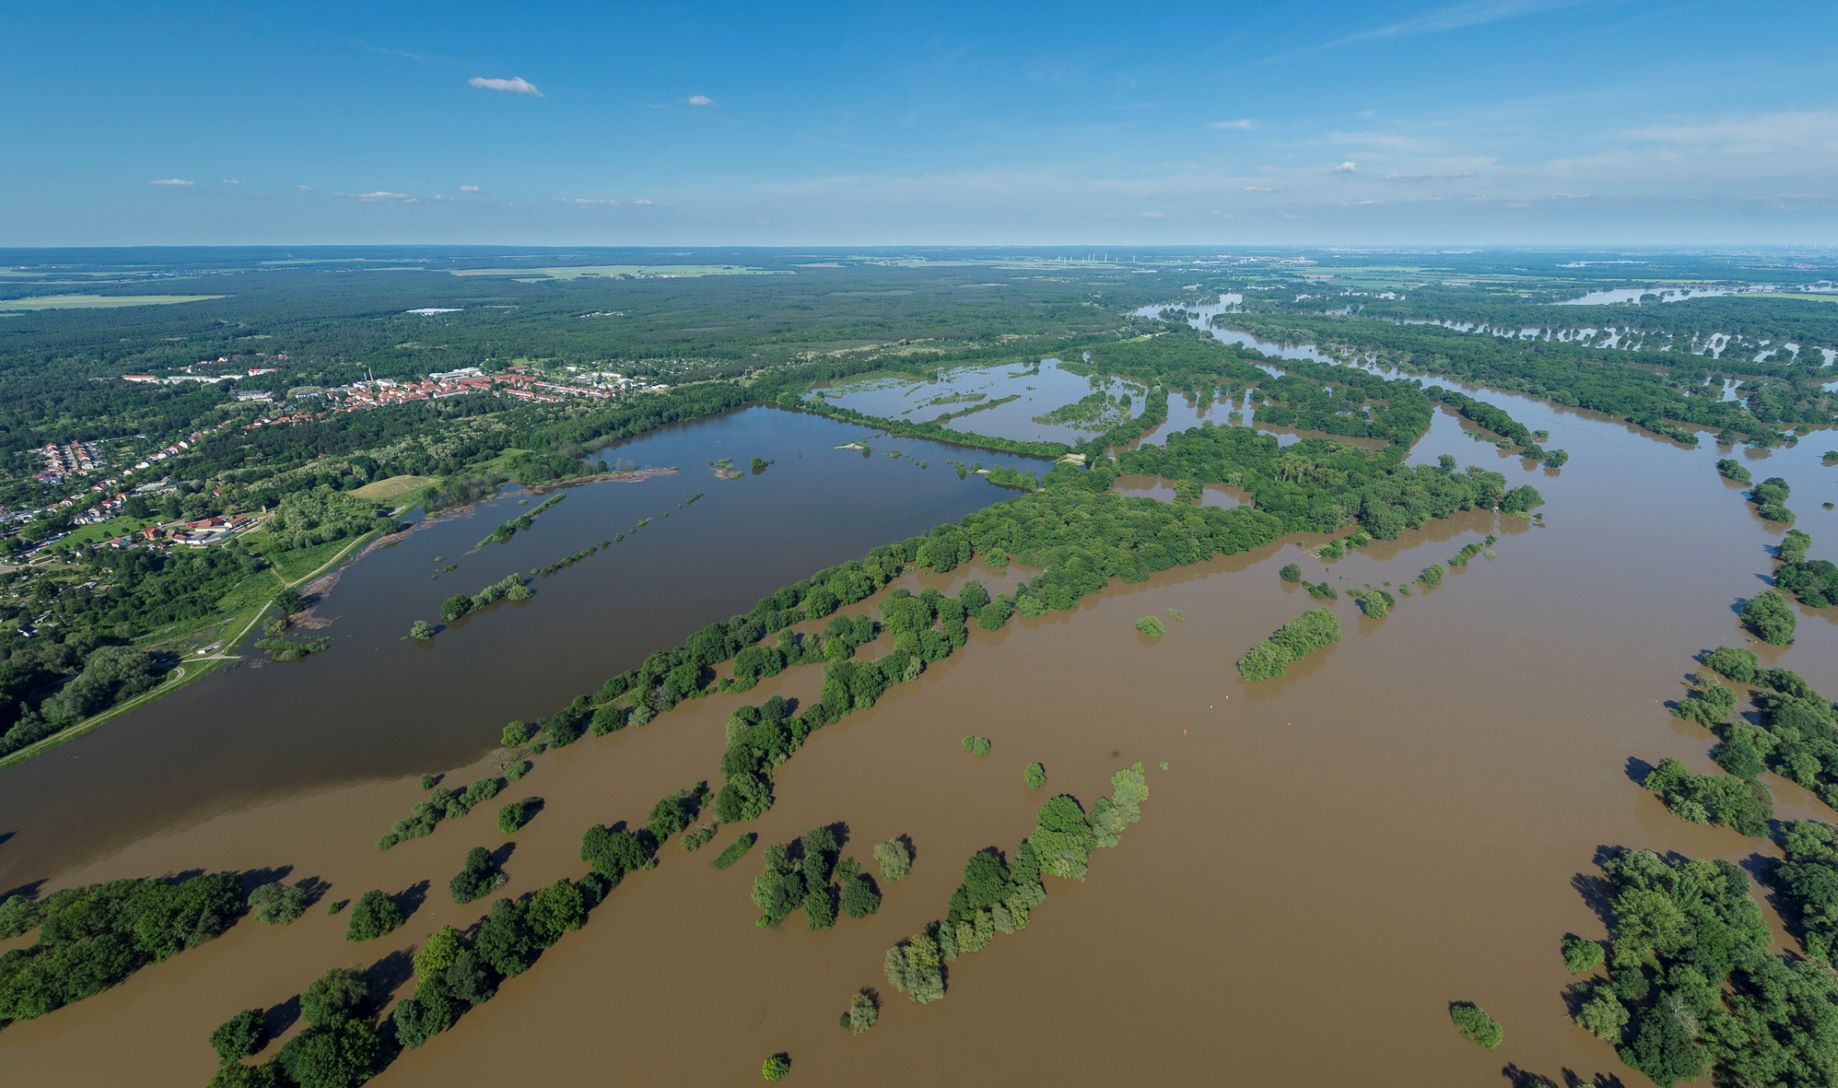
{"x": 1312, "y": 630}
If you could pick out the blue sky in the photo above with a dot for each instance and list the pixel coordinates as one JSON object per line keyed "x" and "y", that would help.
{"x": 1478, "y": 121}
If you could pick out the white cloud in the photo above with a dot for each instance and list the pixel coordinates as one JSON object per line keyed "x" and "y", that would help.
{"x": 303, "y": 188}
{"x": 699, "y": 100}
{"x": 1151, "y": 215}
{"x": 232, "y": 181}
{"x": 385, "y": 194}
{"x": 513, "y": 85}
{"x": 1348, "y": 167}
{"x": 470, "y": 189}
{"x": 642, "y": 202}
{"x": 171, "y": 183}
{"x": 1242, "y": 124}
{"x": 1260, "y": 188}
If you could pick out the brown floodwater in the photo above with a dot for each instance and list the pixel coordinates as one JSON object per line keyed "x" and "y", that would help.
{"x": 376, "y": 704}
{"x": 1324, "y": 863}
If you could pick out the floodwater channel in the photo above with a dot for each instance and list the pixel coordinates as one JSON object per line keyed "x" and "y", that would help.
{"x": 376, "y": 704}
{"x": 1340, "y": 853}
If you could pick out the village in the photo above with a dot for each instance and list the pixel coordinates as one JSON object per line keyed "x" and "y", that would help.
{"x": 103, "y": 500}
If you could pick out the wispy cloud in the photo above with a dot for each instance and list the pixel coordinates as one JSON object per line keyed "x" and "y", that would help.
{"x": 1348, "y": 167}
{"x": 382, "y": 195}
{"x": 1411, "y": 178}
{"x": 171, "y": 183}
{"x": 1470, "y": 13}
{"x": 1759, "y": 134}
{"x": 1384, "y": 141}
{"x": 407, "y": 54}
{"x": 470, "y": 189}
{"x": 1242, "y": 124}
{"x": 642, "y": 202}
{"x": 232, "y": 181}
{"x": 513, "y": 85}
{"x": 699, "y": 100}
{"x": 303, "y": 188}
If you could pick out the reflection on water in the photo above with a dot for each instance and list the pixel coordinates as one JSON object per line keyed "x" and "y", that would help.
{"x": 376, "y": 704}
{"x": 1661, "y": 293}
{"x": 962, "y": 393}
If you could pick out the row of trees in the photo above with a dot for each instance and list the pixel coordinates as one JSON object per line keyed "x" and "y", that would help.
{"x": 997, "y": 896}
{"x": 93, "y": 937}
{"x": 1316, "y": 629}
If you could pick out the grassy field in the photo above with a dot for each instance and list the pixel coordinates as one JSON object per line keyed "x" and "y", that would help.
{"x": 621, "y": 271}
{"x": 245, "y": 605}
{"x": 97, "y": 302}
{"x": 85, "y": 535}
{"x": 393, "y": 488}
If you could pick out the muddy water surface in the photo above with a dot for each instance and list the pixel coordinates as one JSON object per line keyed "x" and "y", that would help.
{"x": 376, "y": 704}
{"x": 1333, "y": 855}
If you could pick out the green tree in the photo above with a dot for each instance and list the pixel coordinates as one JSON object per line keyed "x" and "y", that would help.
{"x": 864, "y": 1012}
{"x": 334, "y": 997}
{"x": 279, "y": 904}
{"x": 776, "y": 1067}
{"x": 860, "y": 897}
{"x": 1581, "y": 954}
{"x": 372, "y": 915}
{"x": 895, "y": 859}
{"x": 1475, "y": 1025}
{"x": 1770, "y": 617}
{"x": 478, "y": 876}
{"x": 1035, "y": 775}
{"x": 514, "y": 815}
{"x": 239, "y": 1036}
{"x": 438, "y": 952}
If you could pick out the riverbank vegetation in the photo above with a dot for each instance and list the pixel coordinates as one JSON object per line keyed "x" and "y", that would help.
{"x": 512, "y": 587}
{"x": 441, "y": 804}
{"x": 1770, "y": 499}
{"x": 1694, "y": 985}
{"x": 997, "y": 895}
{"x": 1316, "y": 629}
{"x": 1473, "y": 1024}
{"x": 508, "y": 529}
{"x": 91, "y": 938}
{"x": 1723, "y": 799}
{"x": 811, "y": 874}
{"x": 1770, "y": 617}
{"x": 1796, "y": 730}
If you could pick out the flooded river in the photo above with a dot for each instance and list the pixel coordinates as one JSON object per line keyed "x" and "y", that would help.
{"x": 376, "y": 704}
{"x": 1324, "y": 863}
